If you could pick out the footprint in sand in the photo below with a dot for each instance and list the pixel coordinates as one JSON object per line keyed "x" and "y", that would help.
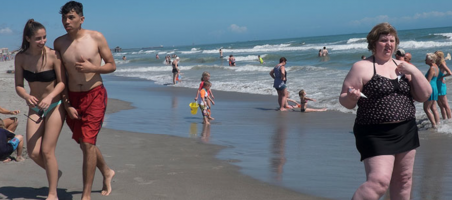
{"x": 141, "y": 181}
{"x": 218, "y": 167}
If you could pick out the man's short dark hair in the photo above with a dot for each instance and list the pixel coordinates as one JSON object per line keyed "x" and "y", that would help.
{"x": 75, "y": 6}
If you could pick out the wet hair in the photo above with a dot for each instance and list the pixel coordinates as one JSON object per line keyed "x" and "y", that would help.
{"x": 432, "y": 57}
{"x": 75, "y": 6}
{"x": 31, "y": 27}
{"x": 381, "y": 29}
{"x": 440, "y": 58}
{"x": 302, "y": 94}
{"x": 282, "y": 59}
{"x": 207, "y": 84}
{"x": 204, "y": 74}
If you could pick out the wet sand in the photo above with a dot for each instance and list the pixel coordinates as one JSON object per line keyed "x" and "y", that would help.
{"x": 148, "y": 166}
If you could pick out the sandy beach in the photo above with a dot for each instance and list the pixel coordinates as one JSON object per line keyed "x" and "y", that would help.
{"x": 148, "y": 166}
{"x": 160, "y": 151}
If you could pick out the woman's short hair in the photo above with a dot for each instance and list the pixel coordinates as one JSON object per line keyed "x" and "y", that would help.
{"x": 282, "y": 59}
{"x": 374, "y": 35}
{"x": 432, "y": 57}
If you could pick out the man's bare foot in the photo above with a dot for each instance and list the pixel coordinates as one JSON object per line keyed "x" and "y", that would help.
{"x": 7, "y": 160}
{"x": 20, "y": 159}
{"x": 106, "y": 188}
{"x": 282, "y": 109}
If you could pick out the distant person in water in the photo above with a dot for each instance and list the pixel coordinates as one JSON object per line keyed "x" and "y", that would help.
{"x": 259, "y": 58}
{"x": 408, "y": 57}
{"x": 324, "y": 52}
{"x": 231, "y": 60}
{"x": 320, "y": 53}
{"x": 157, "y": 56}
{"x": 400, "y": 54}
{"x": 221, "y": 53}
{"x": 176, "y": 70}
{"x": 124, "y": 58}
{"x": 363, "y": 57}
{"x": 304, "y": 103}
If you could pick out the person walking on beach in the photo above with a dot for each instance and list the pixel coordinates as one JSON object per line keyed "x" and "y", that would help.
{"x": 85, "y": 98}
{"x": 304, "y": 103}
{"x": 432, "y": 77}
{"x": 444, "y": 71}
{"x": 385, "y": 126}
{"x": 176, "y": 70}
{"x": 278, "y": 73}
{"x": 41, "y": 67}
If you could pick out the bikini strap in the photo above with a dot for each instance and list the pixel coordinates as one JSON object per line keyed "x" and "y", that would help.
{"x": 394, "y": 62}
{"x": 375, "y": 71}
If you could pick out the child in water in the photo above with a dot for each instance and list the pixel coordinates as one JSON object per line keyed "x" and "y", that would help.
{"x": 304, "y": 103}
{"x": 206, "y": 77}
{"x": 202, "y": 101}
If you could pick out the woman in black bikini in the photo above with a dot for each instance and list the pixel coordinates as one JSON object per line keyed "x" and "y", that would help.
{"x": 175, "y": 69}
{"x": 385, "y": 127}
{"x": 41, "y": 67}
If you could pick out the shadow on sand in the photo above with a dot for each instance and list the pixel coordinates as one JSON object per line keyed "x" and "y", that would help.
{"x": 32, "y": 193}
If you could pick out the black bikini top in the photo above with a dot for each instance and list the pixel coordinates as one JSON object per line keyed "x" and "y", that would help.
{"x": 45, "y": 76}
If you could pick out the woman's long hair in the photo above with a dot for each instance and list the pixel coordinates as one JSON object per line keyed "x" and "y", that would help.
{"x": 31, "y": 27}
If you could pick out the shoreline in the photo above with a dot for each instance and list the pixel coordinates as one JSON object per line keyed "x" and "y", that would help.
{"x": 148, "y": 166}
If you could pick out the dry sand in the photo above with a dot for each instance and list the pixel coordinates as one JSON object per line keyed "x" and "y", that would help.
{"x": 147, "y": 166}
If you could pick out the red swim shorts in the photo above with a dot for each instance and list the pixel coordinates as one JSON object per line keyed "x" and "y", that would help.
{"x": 91, "y": 106}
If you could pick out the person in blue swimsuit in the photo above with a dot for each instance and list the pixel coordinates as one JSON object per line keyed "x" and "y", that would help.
{"x": 432, "y": 77}
{"x": 444, "y": 71}
{"x": 42, "y": 68}
{"x": 385, "y": 129}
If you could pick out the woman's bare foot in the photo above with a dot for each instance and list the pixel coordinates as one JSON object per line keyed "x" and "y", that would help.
{"x": 282, "y": 109}
{"x": 52, "y": 198}
{"x": 106, "y": 188}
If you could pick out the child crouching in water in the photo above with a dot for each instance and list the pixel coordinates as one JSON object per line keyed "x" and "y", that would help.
{"x": 206, "y": 77}
{"x": 304, "y": 103}
{"x": 202, "y": 101}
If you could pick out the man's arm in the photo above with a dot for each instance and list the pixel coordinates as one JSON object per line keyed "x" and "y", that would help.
{"x": 105, "y": 54}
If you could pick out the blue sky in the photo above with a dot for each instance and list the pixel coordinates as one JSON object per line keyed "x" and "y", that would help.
{"x": 145, "y": 23}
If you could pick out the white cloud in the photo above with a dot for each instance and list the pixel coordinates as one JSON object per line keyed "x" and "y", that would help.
{"x": 237, "y": 29}
{"x": 4, "y": 31}
{"x": 385, "y": 18}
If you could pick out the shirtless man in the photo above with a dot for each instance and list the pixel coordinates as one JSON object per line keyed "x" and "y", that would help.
{"x": 408, "y": 57}
{"x": 324, "y": 51}
{"x": 85, "y": 97}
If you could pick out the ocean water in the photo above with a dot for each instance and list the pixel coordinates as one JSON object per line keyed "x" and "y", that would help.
{"x": 289, "y": 155}
{"x": 320, "y": 77}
